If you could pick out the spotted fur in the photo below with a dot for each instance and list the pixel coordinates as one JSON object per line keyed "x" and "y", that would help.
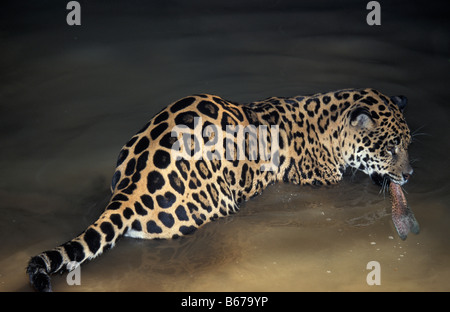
{"x": 155, "y": 195}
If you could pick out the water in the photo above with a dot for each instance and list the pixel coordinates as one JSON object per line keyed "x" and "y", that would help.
{"x": 71, "y": 97}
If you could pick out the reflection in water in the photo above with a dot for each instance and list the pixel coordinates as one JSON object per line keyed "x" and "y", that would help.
{"x": 71, "y": 97}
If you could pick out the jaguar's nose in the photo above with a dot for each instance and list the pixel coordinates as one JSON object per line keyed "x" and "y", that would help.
{"x": 407, "y": 175}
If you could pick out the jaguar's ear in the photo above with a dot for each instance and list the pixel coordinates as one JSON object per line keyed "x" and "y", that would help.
{"x": 400, "y": 101}
{"x": 360, "y": 118}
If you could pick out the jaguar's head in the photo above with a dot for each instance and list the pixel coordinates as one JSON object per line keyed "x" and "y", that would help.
{"x": 376, "y": 137}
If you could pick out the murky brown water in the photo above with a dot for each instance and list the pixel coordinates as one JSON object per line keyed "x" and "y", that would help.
{"x": 70, "y": 98}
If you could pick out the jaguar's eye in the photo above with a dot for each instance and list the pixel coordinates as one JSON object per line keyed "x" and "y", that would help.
{"x": 392, "y": 146}
{"x": 391, "y": 149}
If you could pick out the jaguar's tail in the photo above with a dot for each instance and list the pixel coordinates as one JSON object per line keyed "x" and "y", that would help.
{"x": 96, "y": 239}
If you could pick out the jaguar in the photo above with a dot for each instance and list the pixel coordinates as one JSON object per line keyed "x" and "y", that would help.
{"x": 187, "y": 167}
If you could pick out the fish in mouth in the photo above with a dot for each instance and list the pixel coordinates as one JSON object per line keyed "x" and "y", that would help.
{"x": 402, "y": 215}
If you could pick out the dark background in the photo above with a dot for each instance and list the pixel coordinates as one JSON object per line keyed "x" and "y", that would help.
{"x": 71, "y": 96}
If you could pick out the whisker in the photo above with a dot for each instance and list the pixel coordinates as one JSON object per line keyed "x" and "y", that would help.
{"x": 414, "y": 138}
{"x": 384, "y": 187}
{"x": 420, "y": 133}
{"x": 404, "y": 189}
{"x": 411, "y": 161}
{"x": 415, "y": 132}
{"x": 381, "y": 189}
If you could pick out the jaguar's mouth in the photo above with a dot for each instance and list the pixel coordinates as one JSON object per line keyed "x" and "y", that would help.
{"x": 385, "y": 179}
